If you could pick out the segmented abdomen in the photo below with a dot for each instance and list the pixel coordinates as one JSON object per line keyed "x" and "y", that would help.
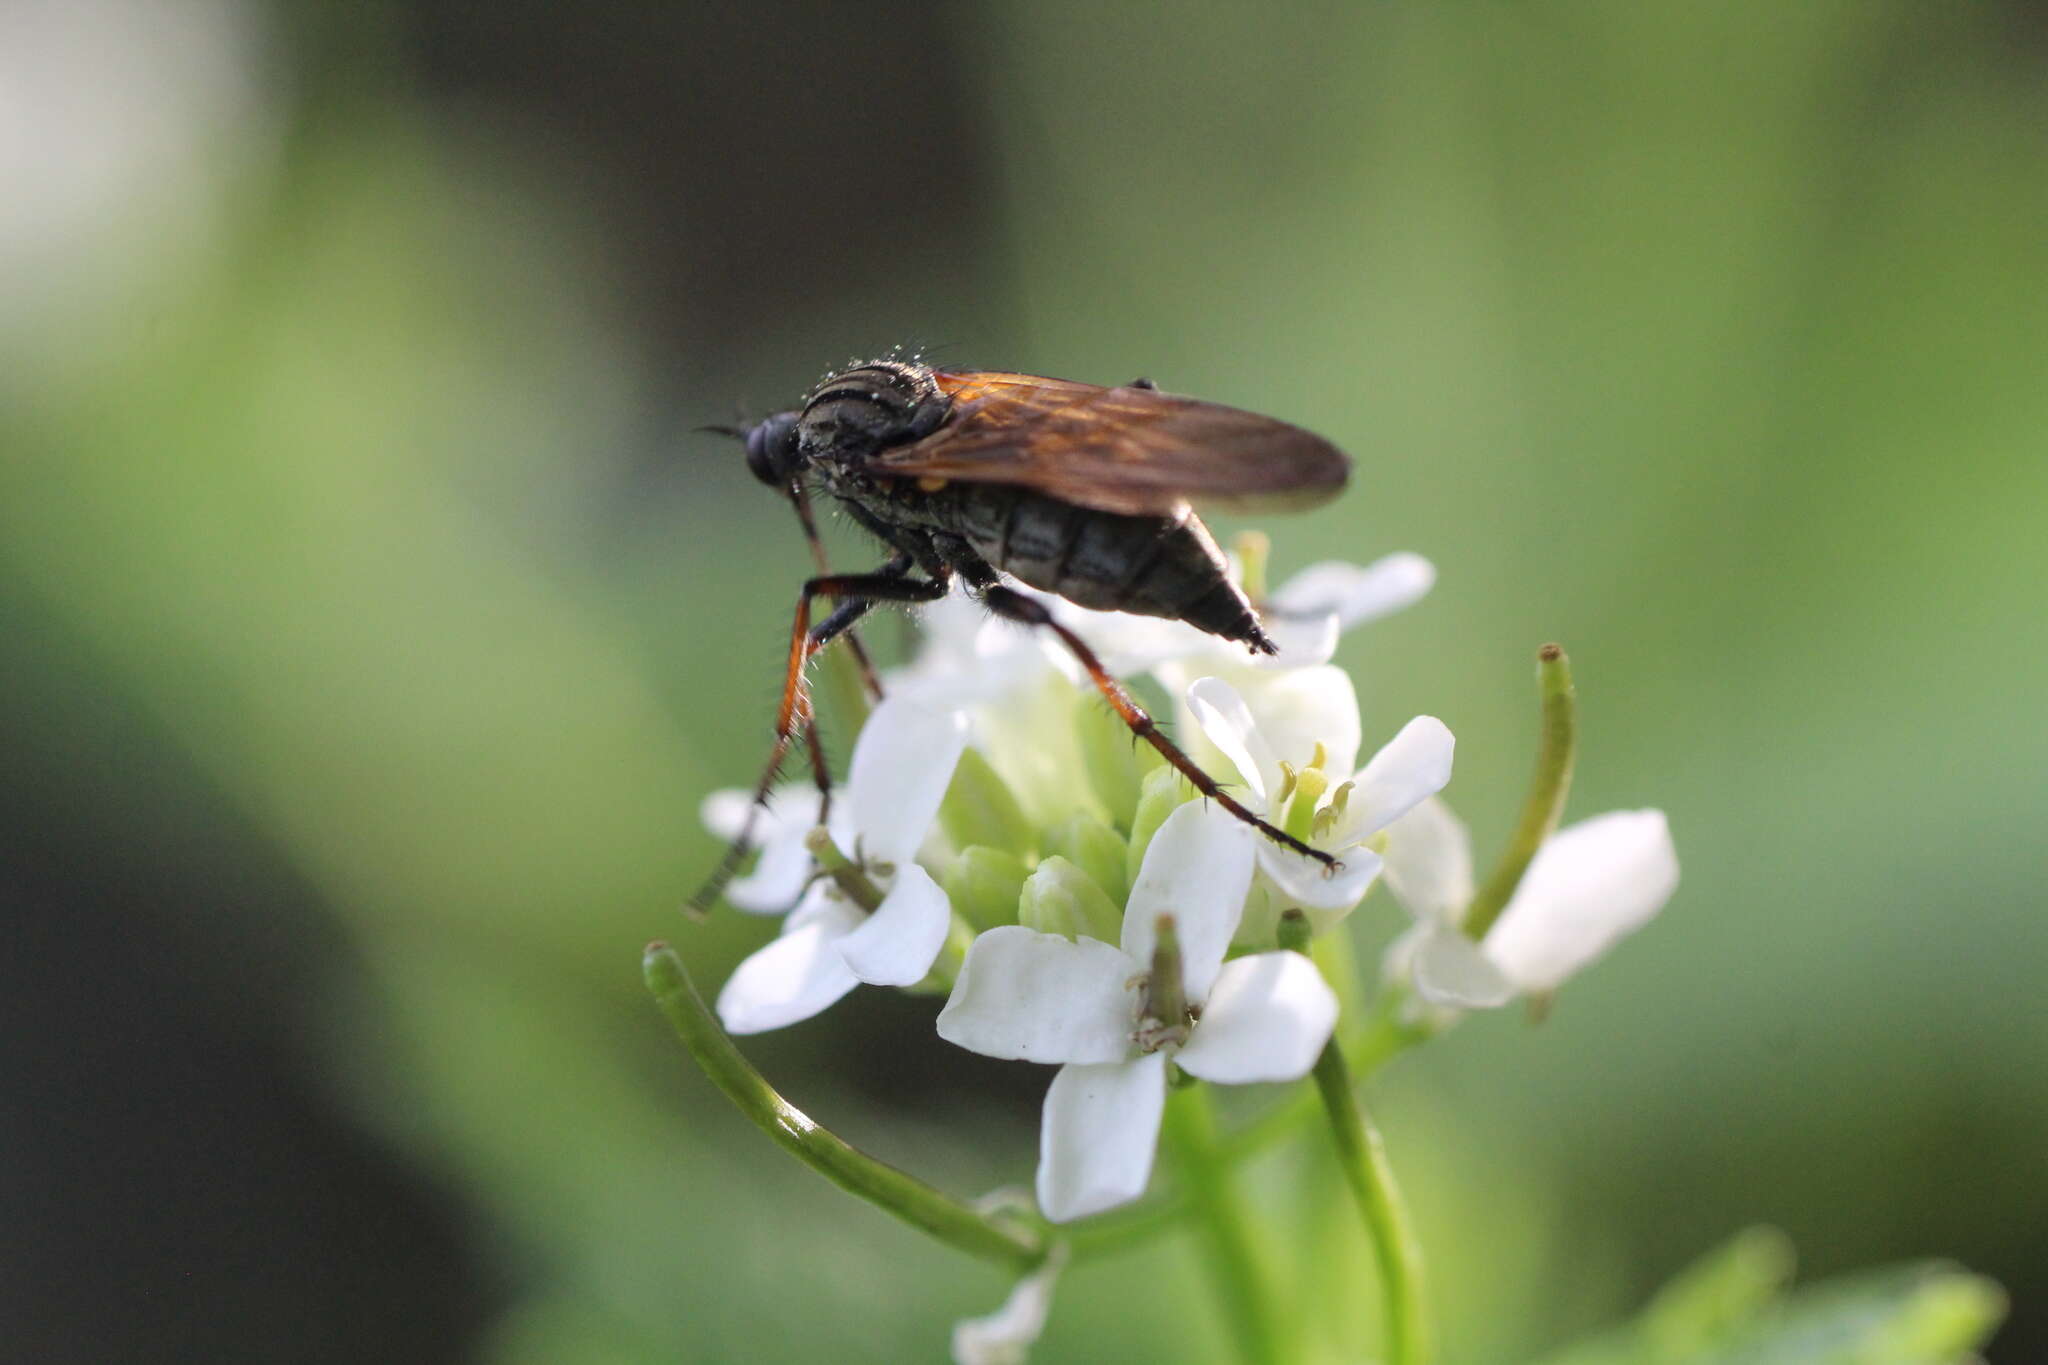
{"x": 1153, "y": 566}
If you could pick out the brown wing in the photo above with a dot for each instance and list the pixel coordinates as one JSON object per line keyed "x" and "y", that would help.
{"x": 1130, "y": 450}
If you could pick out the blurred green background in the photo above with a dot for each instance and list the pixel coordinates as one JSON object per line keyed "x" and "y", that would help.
{"x": 374, "y": 622}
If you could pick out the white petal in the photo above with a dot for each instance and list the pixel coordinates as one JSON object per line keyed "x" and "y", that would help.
{"x": 1304, "y": 640}
{"x": 1357, "y": 594}
{"x": 1096, "y": 1141}
{"x": 1267, "y": 1019}
{"x": 792, "y": 805}
{"x": 1308, "y": 883}
{"x": 900, "y": 941}
{"x": 1429, "y": 863}
{"x": 1005, "y": 1337}
{"x": 797, "y": 975}
{"x": 1588, "y": 886}
{"x": 1300, "y": 708}
{"x": 901, "y": 766}
{"x": 1451, "y": 970}
{"x": 1228, "y": 723}
{"x": 968, "y": 657}
{"x": 1412, "y": 765}
{"x": 778, "y": 878}
{"x": 778, "y": 831}
{"x": 1197, "y": 869}
{"x": 1126, "y": 643}
{"x": 724, "y": 812}
{"x": 1034, "y": 997}
{"x": 1397, "y": 962}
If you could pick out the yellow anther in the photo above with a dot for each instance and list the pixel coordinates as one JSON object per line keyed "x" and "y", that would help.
{"x": 1322, "y": 758}
{"x": 1287, "y": 780}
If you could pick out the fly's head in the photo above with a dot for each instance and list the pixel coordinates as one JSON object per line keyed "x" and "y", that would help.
{"x": 772, "y": 453}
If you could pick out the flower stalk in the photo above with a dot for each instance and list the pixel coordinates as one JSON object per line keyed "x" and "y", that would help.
{"x": 1396, "y": 1251}
{"x": 1237, "y": 1267}
{"x": 949, "y": 1220}
{"x": 1541, "y": 809}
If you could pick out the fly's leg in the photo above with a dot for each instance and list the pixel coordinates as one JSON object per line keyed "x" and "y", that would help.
{"x": 858, "y": 594}
{"x": 802, "y": 502}
{"x": 1015, "y": 606}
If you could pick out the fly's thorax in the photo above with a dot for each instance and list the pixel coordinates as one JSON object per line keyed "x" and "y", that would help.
{"x": 856, "y": 412}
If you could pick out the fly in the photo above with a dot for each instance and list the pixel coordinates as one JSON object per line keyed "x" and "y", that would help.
{"x": 1077, "y": 490}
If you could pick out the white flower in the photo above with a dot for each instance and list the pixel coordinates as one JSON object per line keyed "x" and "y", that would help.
{"x": 1589, "y": 886}
{"x": 1086, "y": 1006}
{"x": 1290, "y": 758}
{"x": 1005, "y": 1337}
{"x": 901, "y": 766}
{"x": 784, "y": 867}
{"x": 967, "y": 656}
{"x": 1355, "y": 593}
{"x": 1304, "y": 616}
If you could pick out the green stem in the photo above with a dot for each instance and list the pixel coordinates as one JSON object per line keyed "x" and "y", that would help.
{"x": 949, "y": 1220}
{"x": 1106, "y": 1234}
{"x": 1547, "y": 791}
{"x": 1383, "y": 1038}
{"x": 1395, "y": 1248}
{"x": 1229, "y": 1237}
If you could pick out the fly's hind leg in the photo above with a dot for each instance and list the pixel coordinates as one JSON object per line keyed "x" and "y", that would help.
{"x": 1015, "y": 606}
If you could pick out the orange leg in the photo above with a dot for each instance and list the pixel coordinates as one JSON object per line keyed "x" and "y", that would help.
{"x": 794, "y": 716}
{"x": 1017, "y": 607}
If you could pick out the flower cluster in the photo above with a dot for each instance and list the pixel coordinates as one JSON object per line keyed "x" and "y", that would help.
{"x": 1000, "y": 839}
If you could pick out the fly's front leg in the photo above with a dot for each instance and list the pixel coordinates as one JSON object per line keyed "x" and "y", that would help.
{"x": 800, "y": 500}
{"x": 859, "y": 594}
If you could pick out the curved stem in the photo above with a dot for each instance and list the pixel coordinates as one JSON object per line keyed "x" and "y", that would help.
{"x": 1547, "y": 790}
{"x": 1238, "y": 1271}
{"x": 1106, "y": 1234}
{"x": 930, "y": 1210}
{"x": 1395, "y": 1248}
{"x": 1381, "y": 1040}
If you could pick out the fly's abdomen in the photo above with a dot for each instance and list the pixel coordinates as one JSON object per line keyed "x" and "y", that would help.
{"x": 1153, "y": 566}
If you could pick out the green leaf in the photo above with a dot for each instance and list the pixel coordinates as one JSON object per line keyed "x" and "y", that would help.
{"x": 1926, "y": 1314}
{"x": 1730, "y": 1308}
{"x": 1717, "y": 1294}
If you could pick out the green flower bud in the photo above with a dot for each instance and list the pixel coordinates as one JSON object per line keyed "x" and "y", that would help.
{"x": 1111, "y": 757}
{"x": 980, "y": 809}
{"x": 984, "y": 883}
{"x": 1164, "y": 790}
{"x": 1096, "y": 849}
{"x": 1061, "y": 899}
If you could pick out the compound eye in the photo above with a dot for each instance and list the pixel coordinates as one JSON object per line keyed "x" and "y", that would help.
{"x": 771, "y": 450}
